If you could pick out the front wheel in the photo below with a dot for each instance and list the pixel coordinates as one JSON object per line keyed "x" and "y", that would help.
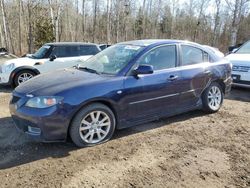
{"x": 23, "y": 76}
{"x": 212, "y": 98}
{"x": 93, "y": 125}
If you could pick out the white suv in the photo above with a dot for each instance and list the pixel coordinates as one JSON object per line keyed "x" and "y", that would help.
{"x": 241, "y": 65}
{"x": 48, "y": 58}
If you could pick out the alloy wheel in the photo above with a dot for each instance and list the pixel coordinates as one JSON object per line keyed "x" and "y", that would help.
{"x": 24, "y": 77}
{"x": 214, "y": 98}
{"x": 95, "y": 127}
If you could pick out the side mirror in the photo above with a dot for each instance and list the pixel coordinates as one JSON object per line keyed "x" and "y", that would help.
{"x": 143, "y": 69}
{"x": 52, "y": 58}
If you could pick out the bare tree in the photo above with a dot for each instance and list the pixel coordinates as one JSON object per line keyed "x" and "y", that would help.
{"x": 5, "y": 34}
{"x": 216, "y": 22}
{"x": 55, "y": 13}
{"x": 237, "y": 7}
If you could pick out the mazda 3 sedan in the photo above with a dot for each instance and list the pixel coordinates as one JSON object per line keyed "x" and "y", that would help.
{"x": 127, "y": 84}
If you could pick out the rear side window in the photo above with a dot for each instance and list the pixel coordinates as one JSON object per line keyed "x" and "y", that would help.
{"x": 160, "y": 58}
{"x": 88, "y": 50}
{"x": 206, "y": 57}
{"x": 191, "y": 55}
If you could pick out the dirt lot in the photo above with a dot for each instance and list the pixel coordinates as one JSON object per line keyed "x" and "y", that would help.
{"x": 189, "y": 150}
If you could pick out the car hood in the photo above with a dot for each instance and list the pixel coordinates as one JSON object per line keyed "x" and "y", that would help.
{"x": 55, "y": 82}
{"x": 21, "y": 61}
{"x": 239, "y": 59}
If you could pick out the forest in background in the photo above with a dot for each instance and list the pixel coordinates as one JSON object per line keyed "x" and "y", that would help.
{"x": 27, "y": 24}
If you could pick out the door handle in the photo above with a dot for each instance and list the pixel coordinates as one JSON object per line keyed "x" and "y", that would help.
{"x": 207, "y": 72}
{"x": 173, "y": 77}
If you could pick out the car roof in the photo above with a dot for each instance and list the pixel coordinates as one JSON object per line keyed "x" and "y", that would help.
{"x": 69, "y": 43}
{"x": 148, "y": 42}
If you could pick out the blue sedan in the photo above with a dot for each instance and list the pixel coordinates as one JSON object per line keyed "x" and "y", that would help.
{"x": 127, "y": 84}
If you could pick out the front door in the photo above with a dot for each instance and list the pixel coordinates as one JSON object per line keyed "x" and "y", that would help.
{"x": 154, "y": 94}
{"x": 66, "y": 56}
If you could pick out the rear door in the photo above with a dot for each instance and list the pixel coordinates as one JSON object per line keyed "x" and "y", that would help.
{"x": 154, "y": 94}
{"x": 195, "y": 73}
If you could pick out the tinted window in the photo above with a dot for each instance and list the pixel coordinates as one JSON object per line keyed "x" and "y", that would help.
{"x": 88, "y": 50}
{"x": 160, "y": 58}
{"x": 73, "y": 51}
{"x": 63, "y": 51}
{"x": 191, "y": 55}
{"x": 41, "y": 53}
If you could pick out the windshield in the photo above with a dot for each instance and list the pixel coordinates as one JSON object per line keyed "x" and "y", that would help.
{"x": 245, "y": 49}
{"x": 41, "y": 52}
{"x": 112, "y": 59}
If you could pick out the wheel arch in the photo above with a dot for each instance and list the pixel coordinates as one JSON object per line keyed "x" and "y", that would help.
{"x": 222, "y": 84}
{"x": 106, "y": 102}
{"x": 22, "y": 68}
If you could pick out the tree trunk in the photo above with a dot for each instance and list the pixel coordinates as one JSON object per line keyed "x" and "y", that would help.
{"x": 76, "y": 23}
{"x": 108, "y": 22}
{"x": 30, "y": 36}
{"x": 5, "y": 34}
{"x": 83, "y": 20}
{"x": 94, "y": 21}
{"x": 19, "y": 27}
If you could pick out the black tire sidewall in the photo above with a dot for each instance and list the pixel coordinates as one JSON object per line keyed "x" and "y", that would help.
{"x": 15, "y": 81}
{"x": 205, "y": 100}
{"x": 74, "y": 127}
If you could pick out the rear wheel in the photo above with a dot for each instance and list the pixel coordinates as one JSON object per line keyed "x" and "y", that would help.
{"x": 23, "y": 76}
{"x": 93, "y": 125}
{"x": 212, "y": 98}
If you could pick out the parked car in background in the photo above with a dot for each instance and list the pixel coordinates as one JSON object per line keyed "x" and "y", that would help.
{"x": 241, "y": 65}
{"x": 104, "y": 46}
{"x": 127, "y": 84}
{"x": 48, "y": 58}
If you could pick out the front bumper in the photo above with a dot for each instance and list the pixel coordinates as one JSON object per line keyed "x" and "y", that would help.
{"x": 241, "y": 79}
{"x": 47, "y": 125}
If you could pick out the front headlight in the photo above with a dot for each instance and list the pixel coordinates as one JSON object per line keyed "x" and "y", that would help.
{"x": 9, "y": 67}
{"x": 43, "y": 101}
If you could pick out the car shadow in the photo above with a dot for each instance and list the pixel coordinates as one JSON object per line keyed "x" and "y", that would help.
{"x": 158, "y": 124}
{"x": 21, "y": 150}
{"x": 6, "y": 89}
{"x": 239, "y": 94}
{"x": 17, "y": 149}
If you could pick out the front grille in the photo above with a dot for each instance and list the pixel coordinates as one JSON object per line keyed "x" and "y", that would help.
{"x": 241, "y": 68}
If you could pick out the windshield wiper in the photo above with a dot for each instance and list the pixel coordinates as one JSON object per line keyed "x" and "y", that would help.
{"x": 88, "y": 69}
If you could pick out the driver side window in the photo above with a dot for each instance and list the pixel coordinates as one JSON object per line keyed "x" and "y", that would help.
{"x": 160, "y": 58}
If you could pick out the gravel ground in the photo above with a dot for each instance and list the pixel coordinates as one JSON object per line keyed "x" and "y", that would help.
{"x": 190, "y": 150}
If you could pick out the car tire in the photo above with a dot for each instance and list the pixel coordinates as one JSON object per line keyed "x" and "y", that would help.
{"x": 212, "y": 98}
{"x": 92, "y": 125}
{"x": 25, "y": 75}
